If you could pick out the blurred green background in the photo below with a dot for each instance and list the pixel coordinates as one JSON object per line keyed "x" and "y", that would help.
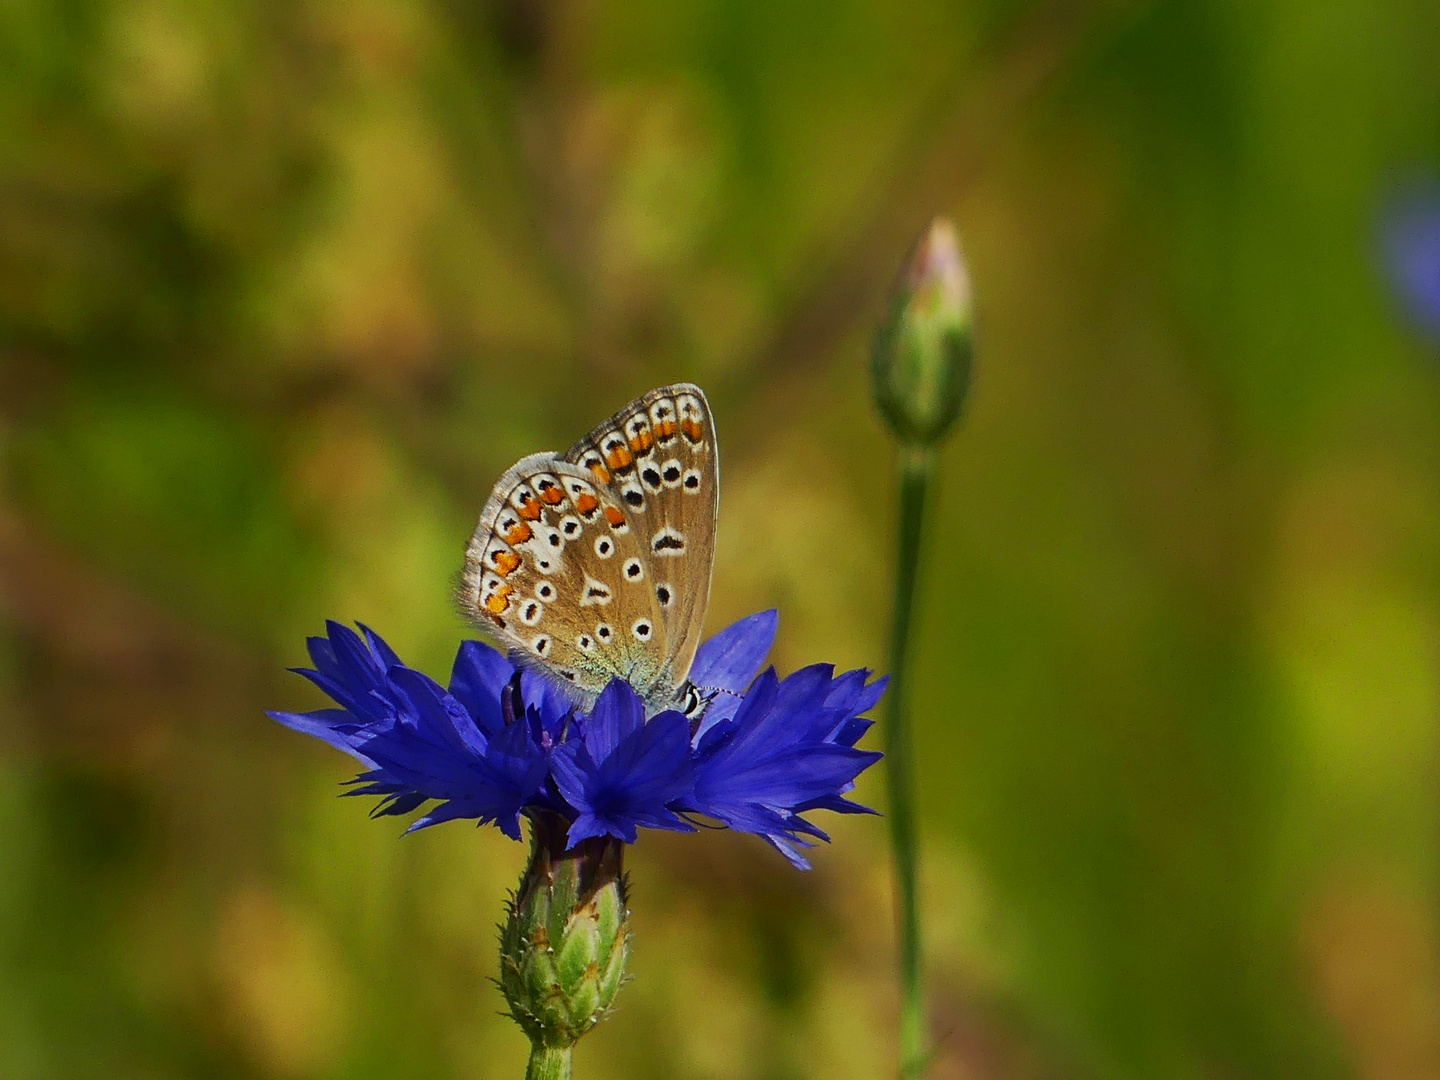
{"x": 285, "y": 285}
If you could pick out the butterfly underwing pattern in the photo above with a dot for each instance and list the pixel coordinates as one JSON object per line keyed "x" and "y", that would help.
{"x": 595, "y": 564}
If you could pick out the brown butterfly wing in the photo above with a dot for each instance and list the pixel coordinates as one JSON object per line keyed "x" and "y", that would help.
{"x": 556, "y": 571}
{"x": 658, "y": 459}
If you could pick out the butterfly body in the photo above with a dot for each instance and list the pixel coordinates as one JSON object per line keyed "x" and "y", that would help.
{"x": 595, "y": 564}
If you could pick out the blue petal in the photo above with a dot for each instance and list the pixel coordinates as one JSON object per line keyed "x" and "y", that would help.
{"x": 359, "y": 701}
{"x": 358, "y": 666}
{"x": 418, "y": 741}
{"x": 849, "y": 732}
{"x": 401, "y": 802}
{"x": 505, "y": 817}
{"x": 334, "y": 726}
{"x": 449, "y": 718}
{"x": 1412, "y": 251}
{"x": 783, "y": 753}
{"x": 618, "y": 712}
{"x": 586, "y": 826}
{"x": 547, "y": 696}
{"x": 787, "y": 848}
{"x": 382, "y": 652}
{"x": 476, "y": 681}
{"x": 624, "y": 773}
{"x": 730, "y": 660}
{"x": 851, "y": 693}
{"x": 322, "y": 656}
{"x": 835, "y": 804}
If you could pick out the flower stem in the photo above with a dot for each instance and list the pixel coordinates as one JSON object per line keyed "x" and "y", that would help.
{"x": 917, "y": 470}
{"x": 549, "y": 1063}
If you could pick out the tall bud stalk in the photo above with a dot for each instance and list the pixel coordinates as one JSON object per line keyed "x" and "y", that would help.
{"x": 565, "y": 942}
{"x": 920, "y": 370}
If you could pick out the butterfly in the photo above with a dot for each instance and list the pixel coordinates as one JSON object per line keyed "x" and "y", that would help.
{"x": 595, "y": 565}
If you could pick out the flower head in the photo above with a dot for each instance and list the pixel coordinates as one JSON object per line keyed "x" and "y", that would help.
{"x": 920, "y": 359}
{"x": 1412, "y": 255}
{"x": 502, "y": 741}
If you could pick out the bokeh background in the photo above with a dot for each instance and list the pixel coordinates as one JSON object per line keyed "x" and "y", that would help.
{"x": 285, "y": 285}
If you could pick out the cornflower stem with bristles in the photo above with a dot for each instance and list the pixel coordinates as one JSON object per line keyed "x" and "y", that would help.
{"x": 917, "y": 470}
{"x": 549, "y": 1063}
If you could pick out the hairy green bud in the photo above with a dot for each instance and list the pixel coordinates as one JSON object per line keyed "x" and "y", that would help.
{"x": 565, "y": 942}
{"x": 920, "y": 363}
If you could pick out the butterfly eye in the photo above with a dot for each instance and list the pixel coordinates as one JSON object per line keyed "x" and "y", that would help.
{"x": 694, "y": 703}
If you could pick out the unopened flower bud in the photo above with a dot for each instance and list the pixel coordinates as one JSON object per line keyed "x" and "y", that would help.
{"x": 564, "y": 945}
{"x": 920, "y": 364}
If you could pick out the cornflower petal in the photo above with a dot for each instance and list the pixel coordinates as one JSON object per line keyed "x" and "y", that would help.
{"x": 477, "y": 679}
{"x": 1412, "y": 254}
{"x": 624, "y": 771}
{"x": 729, "y": 662}
{"x": 418, "y": 741}
{"x": 335, "y": 726}
{"x": 778, "y": 757}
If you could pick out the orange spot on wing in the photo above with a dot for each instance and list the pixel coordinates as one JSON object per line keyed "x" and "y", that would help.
{"x": 601, "y": 473}
{"x": 614, "y": 516}
{"x": 519, "y": 534}
{"x": 530, "y": 508}
{"x": 586, "y": 502}
{"x": 694, "y": 430}
{"x": 552, "y": 495}
{"x": 642, "y": 442}
{"x": 506, "y": 562}
{"x": 499, "y": 600}
{"x": 665, "y": 429}
{"x": 619, "y": 457}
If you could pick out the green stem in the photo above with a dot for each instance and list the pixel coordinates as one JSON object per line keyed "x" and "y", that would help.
{"x": 917, "y": 470}
{"x": 548, "y": 1063}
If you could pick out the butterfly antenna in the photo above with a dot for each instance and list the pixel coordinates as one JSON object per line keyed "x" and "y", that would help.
{"x": 721, "y": 690}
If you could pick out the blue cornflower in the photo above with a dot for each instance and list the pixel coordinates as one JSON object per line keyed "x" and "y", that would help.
{"x": 503, "y": 742}
{"x": 1412, "y": 255}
